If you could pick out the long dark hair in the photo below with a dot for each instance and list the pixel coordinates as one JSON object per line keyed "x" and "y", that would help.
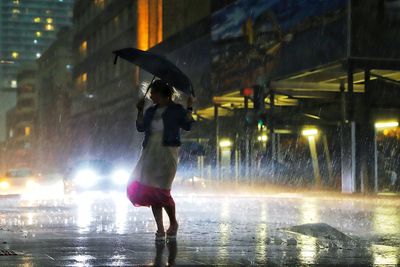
{"x": 162, "y": 88}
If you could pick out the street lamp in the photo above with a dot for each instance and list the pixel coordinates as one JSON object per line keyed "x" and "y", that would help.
{"x": 311, "y": 133}
{"x": 262, "y": 138}
{"x": 225, "y": 143}
{"x": 386, "y": 124}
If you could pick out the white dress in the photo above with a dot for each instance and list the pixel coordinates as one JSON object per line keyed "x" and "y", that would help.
{"x": 157, "y": 163}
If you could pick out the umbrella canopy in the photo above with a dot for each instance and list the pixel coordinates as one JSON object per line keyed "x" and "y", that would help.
{"x": 157, "y": 65}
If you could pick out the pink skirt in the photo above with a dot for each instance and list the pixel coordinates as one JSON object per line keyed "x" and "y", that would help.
{"x": 145, "y": 195}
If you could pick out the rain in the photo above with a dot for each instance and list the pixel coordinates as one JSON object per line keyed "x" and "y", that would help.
{"x": 199, "y": 133}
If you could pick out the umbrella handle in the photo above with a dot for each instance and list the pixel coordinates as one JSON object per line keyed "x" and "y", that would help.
{"x": 148, "y": 87}
{"x": 191, "y": 88}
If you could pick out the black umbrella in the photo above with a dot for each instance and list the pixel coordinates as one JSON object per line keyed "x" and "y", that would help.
{"x": 157, "y": 65}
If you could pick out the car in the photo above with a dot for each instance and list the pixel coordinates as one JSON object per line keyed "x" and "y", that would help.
{"x": 19, "y": 181}
{"x": 95, "y": 175}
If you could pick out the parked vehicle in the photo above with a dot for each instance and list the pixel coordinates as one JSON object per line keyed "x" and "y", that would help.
{"x": 19, "y": 181}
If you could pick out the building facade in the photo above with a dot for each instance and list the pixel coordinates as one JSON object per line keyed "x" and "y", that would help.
{"x": 103, "y": 103}
{"x": 27, "y": 28}
{"x": 21, "y": 122}
{"x": 104, "y": 93}
{"x": 54, "y": 86}
{"x": 309, "y": 90}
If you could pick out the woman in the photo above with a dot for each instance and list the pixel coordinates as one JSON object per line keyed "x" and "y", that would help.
{"x": 151, "y": 181}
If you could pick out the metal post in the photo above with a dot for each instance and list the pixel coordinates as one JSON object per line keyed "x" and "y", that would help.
{"x": 217, "y": 150}
{"x": 348, "y": 136}
{"x": 272, "y": 132}
{"x": 350, "y": 89}
{"x": 247, "y": 145}
{"x": 343, "y": 102}
{"x": 366, "y": 144}
{"x": 375, "y": 163}
{"x": 237, "y": 158}
{"x": 352, "y": 129}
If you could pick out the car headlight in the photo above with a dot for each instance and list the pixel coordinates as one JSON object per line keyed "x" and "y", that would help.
{"x": 86, "y": 178}
{"x": 4, "y": 185}
{"x": 120, "y": 177}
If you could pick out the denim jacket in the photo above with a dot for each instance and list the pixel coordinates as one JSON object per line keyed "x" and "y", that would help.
{"x": 175, "y": 117}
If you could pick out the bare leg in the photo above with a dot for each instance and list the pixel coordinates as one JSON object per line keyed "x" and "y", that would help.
{"x": 173, "y": 223}
{"x": 157, "y": 212}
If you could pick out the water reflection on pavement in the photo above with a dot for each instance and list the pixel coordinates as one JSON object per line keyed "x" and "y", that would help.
{"x": 96, "y": 229}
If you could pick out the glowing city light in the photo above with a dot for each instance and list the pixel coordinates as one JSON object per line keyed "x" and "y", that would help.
{"x": 262, "y": 138}
{"x": 310, "y": 132}
{"x": 225, "y": 143}
{"x": 386, "y": 124}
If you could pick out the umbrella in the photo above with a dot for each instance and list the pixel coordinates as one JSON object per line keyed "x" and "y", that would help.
{"x": 159, "y": 66}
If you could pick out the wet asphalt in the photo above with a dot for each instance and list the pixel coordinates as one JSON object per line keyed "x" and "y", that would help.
{"x": 97, "y": 229}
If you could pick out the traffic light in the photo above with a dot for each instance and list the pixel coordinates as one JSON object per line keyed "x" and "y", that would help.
{"x": 247, "y": 92}
{"x": 257, "y": 96}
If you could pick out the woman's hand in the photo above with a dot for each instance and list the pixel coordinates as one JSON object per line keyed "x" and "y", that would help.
{"x": 140, "y": 105}
{"x": 190, "y": 101}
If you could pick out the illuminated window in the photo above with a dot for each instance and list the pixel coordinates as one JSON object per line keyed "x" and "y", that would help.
{"x": 37, "y": 20}
{"x": 14, "y": 54}
{"x": 149, "y": 24}
{"x": 13, "y": 84}
{"x": 81, "y": 81}
{"x": 16, "y": 2}
{"x": 27, "y": 131}
{"x": 16, "y": 11}
{"x": 83, "y": 48}
{"x": 39, "y": 34}
{"x": 49, "y": 20}
{"x": 49, "y": 27}
{"x": 99, "y": 3}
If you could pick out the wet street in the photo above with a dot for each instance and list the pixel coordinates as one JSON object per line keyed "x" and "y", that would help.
{"x": 236, "y": 230}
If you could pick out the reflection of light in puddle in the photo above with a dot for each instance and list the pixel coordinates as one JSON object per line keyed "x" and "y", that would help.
{"x": 386, "y": 220}
{"x": 27, "y": 262}
{"x": 84, "y": 215}
{"x": 30, "y": 218}
{"x": 385, "y": 255}
{"x": 309, "y": 211}
{"x": 121, "y": 210}
{"x": 308, "y": 248}
{"x": 224, "y": 229}
{"x": 308, "y": 245}
{"x": 82, "y": 259}
{"x": 118, "y": 260}
{"x": 262, "y": 235}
